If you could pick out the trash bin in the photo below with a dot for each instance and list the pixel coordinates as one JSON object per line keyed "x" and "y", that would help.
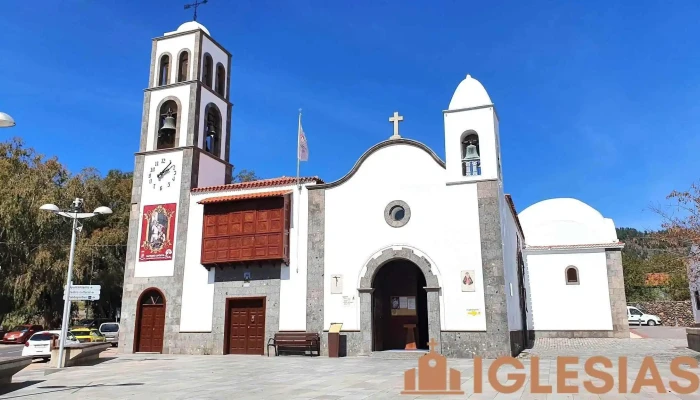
{"x": 334, "y": 339}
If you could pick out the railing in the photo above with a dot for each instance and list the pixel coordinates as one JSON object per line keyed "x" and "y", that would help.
{"x": 471, "y": 168}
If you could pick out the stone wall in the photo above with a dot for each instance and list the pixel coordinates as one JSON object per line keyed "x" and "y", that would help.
{"x": 672, "y": 313}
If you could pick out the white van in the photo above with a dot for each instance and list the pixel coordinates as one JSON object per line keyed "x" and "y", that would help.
{"x": 635, "y": 316}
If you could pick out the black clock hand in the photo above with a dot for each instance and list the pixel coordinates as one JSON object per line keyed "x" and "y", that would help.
{"x": 160, "y": 175}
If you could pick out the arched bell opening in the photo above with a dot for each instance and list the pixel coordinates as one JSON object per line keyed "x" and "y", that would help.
{"x": 168, "y": 123}
{"x": 471, "y": 155}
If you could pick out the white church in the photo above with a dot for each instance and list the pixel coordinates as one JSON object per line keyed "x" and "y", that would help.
{"x": 438, "y": 251}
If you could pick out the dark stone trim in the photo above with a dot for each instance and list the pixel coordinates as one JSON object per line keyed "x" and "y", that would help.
{"x": 144, "y": 121}
{"x": 497, "y": 335}
{"x": 212, "y": 91}
{"x": 576, "y": 334}
{"x": 373, "y": 149}
{"x": 433, "y": 296}
{"x": 152, "y": 76}
{"x": 178, "y": 124}
{"x": 196, "y": 59}
{"x": 228, "y": 79}
{"x": 470, "y": 181}
{"x": 193, "y": 117}
{"x": 616, "y": 288}
{"x": 193, "y": 148}
{"x": 315, "y": 261}
{"x": 194, "y": 31}
{"x": 189, "y": 62}
{"x": 227, "y": 151}
{"x": 170, "y": 85}
{"x": 194, "y": 180}
{"x": 229, "y": 174}
{"x": 387, "y": 213}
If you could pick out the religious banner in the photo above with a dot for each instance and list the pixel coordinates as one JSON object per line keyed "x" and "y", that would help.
{"x": 157, "y": 232}
{"x": 468, "y": 284}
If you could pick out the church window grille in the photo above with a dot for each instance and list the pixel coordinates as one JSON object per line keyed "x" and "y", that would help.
{"x": 212, "y": 139}
{"x": 166, "y": 132}
{"x": 572, "y": 277}
{"x": 183, "y": 66}
{"x": 220, "y": 79}
{"x": 397, "y": 213}
{"x": 164, "y": 70}
{"x": 208, "y": 70}
{"x": 471, "y": 158}
{"x": 152, "y": 297}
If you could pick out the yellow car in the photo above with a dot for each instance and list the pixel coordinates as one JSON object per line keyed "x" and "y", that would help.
{"x": 85, "y": 335}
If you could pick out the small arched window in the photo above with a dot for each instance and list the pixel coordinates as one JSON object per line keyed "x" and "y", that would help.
{"x": 208, "y": 70}
{"x": 164, "y": 70}
{"x": 220, "y": 79}
{"x": 212, "y": 137}
{"x": 471, "y": 158}
{"x": 167, "y": 125}
{"x": 572, "y": 277}
{"x": 183, "y": 66}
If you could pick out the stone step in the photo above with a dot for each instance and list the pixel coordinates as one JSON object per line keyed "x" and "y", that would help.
{"x": 398, "y": 354}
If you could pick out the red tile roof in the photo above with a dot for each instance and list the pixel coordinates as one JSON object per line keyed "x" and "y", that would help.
{"x": 247, "y": 196}
{"x": 612, "y": 245}
{"x": 281, "y": 181}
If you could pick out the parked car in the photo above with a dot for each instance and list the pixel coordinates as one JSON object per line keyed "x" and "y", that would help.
{"x": 20, "y": 334}
{"x": 87, "y": 335}
{"x": 39, "y": 345}
{"x": 110, "y": 330}
{"x": 636, "y": 316}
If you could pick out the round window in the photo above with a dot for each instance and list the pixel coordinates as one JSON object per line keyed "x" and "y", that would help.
{"x": 397, "y": 213}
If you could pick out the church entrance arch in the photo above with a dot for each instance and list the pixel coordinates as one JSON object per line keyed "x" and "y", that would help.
{"x": 150, "y": 322}
{"x": 399, "y": 301}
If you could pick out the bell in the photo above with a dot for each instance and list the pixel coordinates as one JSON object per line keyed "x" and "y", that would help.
{"x": 471, "y": 154}
{"x": 211, "y": 131}
{"x": 168, "y": 125}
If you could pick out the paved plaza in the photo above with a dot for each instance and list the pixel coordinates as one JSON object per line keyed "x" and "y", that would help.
{"x": 297, "y": 377}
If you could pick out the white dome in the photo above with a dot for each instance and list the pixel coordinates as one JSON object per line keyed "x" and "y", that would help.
{"x": 191, "y": 26}
{"x": 470, "y": 93}
{"x": 565, "y": 221}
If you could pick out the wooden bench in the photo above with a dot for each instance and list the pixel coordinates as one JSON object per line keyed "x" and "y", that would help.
{"x": 297, "y": 341}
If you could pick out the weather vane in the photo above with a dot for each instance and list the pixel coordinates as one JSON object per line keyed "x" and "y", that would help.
{"x": 196, "y": 4}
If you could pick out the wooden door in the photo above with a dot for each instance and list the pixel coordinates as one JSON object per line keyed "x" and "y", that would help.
{"x": 151, "y": 328}
{"x": 246, "y": 326}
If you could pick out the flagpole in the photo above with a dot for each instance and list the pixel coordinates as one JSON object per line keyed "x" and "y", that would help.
{"x": 298, "y": 215}
{"x": 298, "y": 144}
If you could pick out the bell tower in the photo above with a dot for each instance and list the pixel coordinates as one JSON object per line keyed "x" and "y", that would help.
{"x": 185, "y": 143}
{"x": 472, "y": 147}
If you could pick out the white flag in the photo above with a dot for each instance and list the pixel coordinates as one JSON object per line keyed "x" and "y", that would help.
{"x": 303, "y": 152}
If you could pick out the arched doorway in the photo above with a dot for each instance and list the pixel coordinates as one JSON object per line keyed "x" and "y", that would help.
{"x": 150, "y": 322}
{"x": 399, "y": 307}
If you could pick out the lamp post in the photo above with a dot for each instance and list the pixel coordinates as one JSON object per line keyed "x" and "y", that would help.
{"x": 6, "y": 121}
{"x": 75, "y": 212}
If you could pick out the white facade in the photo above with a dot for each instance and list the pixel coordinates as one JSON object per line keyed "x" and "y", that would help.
{"x": 567, "y": 233}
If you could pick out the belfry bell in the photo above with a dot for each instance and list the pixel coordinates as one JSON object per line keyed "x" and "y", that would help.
{"x": 168, "y": 124}
{"x": 470, "y": 153}
{"x": 211, "y": 130}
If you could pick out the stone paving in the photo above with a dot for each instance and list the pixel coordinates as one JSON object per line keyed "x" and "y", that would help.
{"x": 298, "y": 377}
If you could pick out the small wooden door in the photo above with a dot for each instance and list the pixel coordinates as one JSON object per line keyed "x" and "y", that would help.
{"x": 246, "y": 326}
{"x": 151, "y": 324}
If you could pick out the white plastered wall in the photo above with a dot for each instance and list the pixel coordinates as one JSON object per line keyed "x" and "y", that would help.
{"x": 483, "y": 122}
{"x": 183, "y": 95}
{"x": 174, "y": 46}
{"x": 444, "y": 227}
{"x": 218, "y": 56}
{"x": 198, "y": 287}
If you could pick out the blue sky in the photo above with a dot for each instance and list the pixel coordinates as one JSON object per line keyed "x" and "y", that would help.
{"x": 597, "y": 100}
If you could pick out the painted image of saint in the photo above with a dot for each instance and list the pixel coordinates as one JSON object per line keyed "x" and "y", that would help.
{"x": 394, "y": 303}
{"x": 157, "y": 227}
{"x": 467, "y": 279}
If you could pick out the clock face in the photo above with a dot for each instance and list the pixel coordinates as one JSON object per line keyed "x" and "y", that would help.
{"x": 162, "y": 175}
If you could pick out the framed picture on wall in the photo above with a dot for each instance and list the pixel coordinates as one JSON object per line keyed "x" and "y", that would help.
{"x": 468, "y": 281}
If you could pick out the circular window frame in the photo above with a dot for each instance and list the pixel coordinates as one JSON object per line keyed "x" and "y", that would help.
{"x": 391, "y": 221}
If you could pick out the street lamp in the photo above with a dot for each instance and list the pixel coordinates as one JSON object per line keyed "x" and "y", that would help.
{"x": 6, "y": 121}
{"x": 75, "y": 212}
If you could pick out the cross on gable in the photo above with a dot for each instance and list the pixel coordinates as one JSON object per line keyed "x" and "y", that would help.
{"x": 432, "y": 344}
{"x": 395, "y": 120}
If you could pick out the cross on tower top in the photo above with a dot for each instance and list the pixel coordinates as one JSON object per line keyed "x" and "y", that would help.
{"x": 395, "y": 120}
{"x": 432, "y": 344}
{"x": 194, "y": 5}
